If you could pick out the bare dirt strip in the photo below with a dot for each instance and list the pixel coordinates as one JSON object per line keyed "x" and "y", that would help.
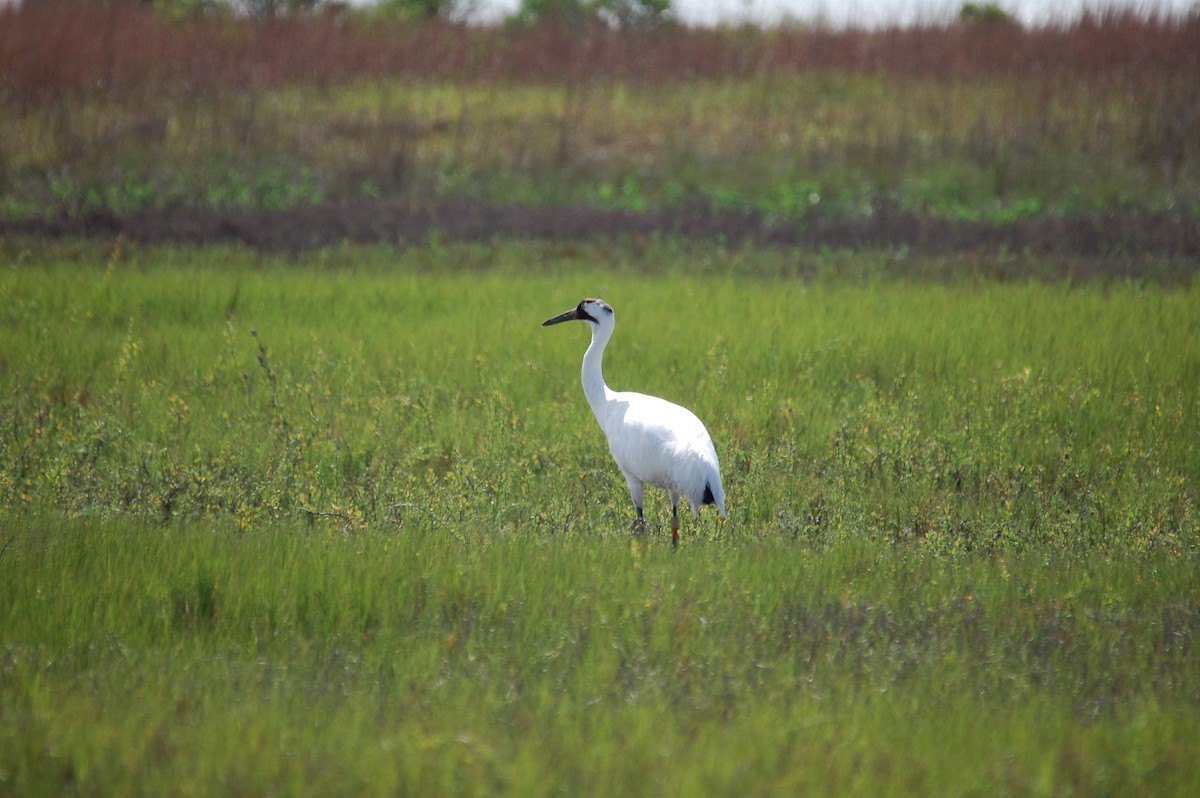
{"x": 1110, "y": 242}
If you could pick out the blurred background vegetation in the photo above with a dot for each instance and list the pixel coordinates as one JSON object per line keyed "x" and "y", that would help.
{"x": 121, "y": 107}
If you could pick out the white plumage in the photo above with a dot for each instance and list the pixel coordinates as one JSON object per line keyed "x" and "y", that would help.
{"x": 653, "y": 441}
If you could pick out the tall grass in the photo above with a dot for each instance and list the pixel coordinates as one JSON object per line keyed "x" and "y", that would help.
{"x": 108, "y": 107}
{"x": 195, "y": 660}
{"x": 364, "y": 389}
{"x": 344, "y": 524}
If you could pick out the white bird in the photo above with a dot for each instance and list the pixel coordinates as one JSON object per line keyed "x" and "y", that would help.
{"x": 653, "y": 441}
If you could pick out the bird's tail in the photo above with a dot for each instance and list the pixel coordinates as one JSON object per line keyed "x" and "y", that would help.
{"x": 714, "y": 493}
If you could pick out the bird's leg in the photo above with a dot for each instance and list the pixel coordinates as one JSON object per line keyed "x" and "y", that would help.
{"x": 639, "y": 523}
{"x": 637, "y": 492}
{"x": 675, "y": 526}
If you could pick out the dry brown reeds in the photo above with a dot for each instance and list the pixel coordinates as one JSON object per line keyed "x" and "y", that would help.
{"x": 122, "y": 49}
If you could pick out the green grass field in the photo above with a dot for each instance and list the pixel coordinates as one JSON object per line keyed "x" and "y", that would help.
{"x": 343, "y": 524}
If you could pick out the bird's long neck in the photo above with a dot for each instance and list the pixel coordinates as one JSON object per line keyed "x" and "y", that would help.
{"x": 593, "y": 374}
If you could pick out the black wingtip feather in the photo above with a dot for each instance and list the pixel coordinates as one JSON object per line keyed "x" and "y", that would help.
{"x": 708, "y": 496}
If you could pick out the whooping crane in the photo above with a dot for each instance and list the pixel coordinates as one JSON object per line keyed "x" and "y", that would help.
{"x": 653, "y": 441}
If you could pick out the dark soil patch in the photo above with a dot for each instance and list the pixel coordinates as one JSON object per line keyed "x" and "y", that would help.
{"x": 1112, "y": 243}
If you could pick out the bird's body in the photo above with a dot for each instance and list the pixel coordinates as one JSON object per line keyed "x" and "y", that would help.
{"x": 653, "y": 441}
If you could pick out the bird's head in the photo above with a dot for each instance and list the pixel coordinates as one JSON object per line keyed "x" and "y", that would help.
{"x": 594, "y": 311}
